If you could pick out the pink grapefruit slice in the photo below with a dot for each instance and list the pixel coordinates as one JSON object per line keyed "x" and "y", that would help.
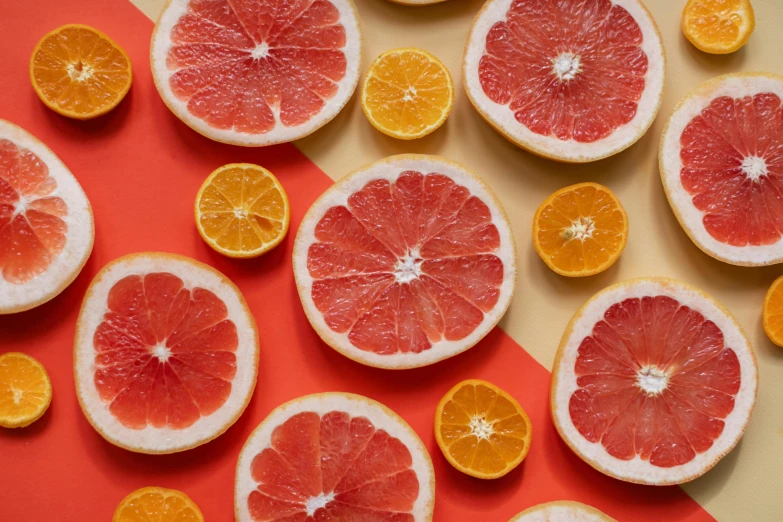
{"x": 721, "y": 162}
{"x": 563, "y": 80}
{"x": 654, "y": 382}
{"x": 46, "y": 223}
{"x": 256, "y": 72}
{"x": 334, "y": 456}
{"x": 166, "y": 353}
{"x": 405, "y": 262}
{"x": 562, "y": 511}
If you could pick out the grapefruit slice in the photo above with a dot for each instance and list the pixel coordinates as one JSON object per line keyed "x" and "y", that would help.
{"x": 405, "y": 262}
{"x": 46, "y": 224}
{"x": 562, "y": 511}
{"x": 166, "y": 353}
{"x": 722, "y": 167}
{"x": 256, "y": 72}
{"x": 565, "y": 81}
{"x": 654, "y": 382}
{"x": 334, "y": 456}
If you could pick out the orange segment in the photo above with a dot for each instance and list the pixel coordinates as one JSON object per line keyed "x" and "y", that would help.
{"x": 773, "y": 312}
{"x": 718, "y": 26}
{"x": 580, "y": 230}
{"x": 25, "y": 390}
{"x": 481, "y": 430}
{"x": 79, "y": 72}
{"x": 407, "y": 94}
{"x": 242, "y": 210}
{"x": 153, "y": 504}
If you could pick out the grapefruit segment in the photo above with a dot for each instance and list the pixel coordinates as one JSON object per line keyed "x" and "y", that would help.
{"x": 562, "y": 511}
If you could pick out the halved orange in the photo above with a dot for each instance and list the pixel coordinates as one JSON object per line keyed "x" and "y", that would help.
{"x": 25, "y": 390}
{"x": 242, "y": 210}
{"x": 580, "y": 230}
{"x": 79, "y": 72}
{"x": 481, "y": 430}
{"x": 718, "y": 26}
{"x": 407, "y": 94}
{"x": 773, "y": 312}
{"x": 153, "y": 504}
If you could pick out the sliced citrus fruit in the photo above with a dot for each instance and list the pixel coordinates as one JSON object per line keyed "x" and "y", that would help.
{"x": 580, "y": 230}
{"x": 242, "y": 210}
{"x": 79, "y": 72}
{"x": 722, "y": 167}
{"x": 654, "y": 382}
{"x": 718, "y": 26}
{"x": 256, "y": 72}
{"x": 166, "y": 353}
{"x": 25, "y": 390}
{"x": 481, "y": 430}
{"x": 407, "y": 94}
{"x": 405, "y": 262}
{"x": 563, "y": 81}
{"x": 46, "y": 223}
{"x": 334, "y": 456}
{"x": 773, "y": 312}
{"x": 562, "y": 511}
{"x": 152, "y": 504}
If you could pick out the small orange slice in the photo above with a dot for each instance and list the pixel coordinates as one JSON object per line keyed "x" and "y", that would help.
{"x": 79, "y": 72}
{"x": 772, "y": 313}
{"x": 481, "y": 430}
{"x": 242, "y": 210}
{"x": 407, "y": 94}
{"x": 580, "y": 230}
{"x": 25, "y": 390}
{"x": 718, "y": 26}
{"x": 153, "y": 504}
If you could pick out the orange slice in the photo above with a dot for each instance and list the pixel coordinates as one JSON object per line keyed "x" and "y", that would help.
{"x": 79, "y": 72}
{"x": 481, "y": 430}
{"x": 25, "y": 390}
{"x": 242, "y": 210}
{"x": 718, "y": 26}
{"x": 153, "y": 504}
{"x": 773, "y": 312}
{"x": 407, "y": 94}
{"x": 580, "y": 230}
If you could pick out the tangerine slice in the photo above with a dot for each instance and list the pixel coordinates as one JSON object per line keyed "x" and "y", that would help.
{"x": 153, "y": 504}
{"x": 772, "y": 313}
{"x": 25, "y": 390}
{"x": 718, "y": 26}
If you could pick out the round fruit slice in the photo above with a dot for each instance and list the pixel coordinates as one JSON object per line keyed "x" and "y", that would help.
{"x": 25, "y": 390}
{"x": 256, "y": 72}
{"x": 722, "y": 167}
{"x": 153, "y": 504}
{"x": 562, "y": 511}
{"x": 563, "y": 81}
{"x": 481, "y": 430}
{"x": 718, "y": 26}
{"x": 166, "y": 353}
{"x": 46, "y": 224}
{"x": 580, "y": 230}
{"x": 654, "y": 382}
{"x": 405, "y": 262}
{"x": 242, "y": 210}
{"x": 79, "y": 72}
{"x": 408, "y": 93}
{"x": 773, "y": 312}
{"x": 334, "y": 456}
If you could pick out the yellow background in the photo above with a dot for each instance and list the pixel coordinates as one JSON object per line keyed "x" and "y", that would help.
{"x": 744, "y": 486}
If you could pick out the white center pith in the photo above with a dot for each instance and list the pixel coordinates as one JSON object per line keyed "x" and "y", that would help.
{"x": 408, "y": 267}
{"x": 21, "y": 206}
{"x": 566, "y": 66}
{"x": 409, "y": 94}
{"x": 754, "y": 167}
{"x": 79, "y": 71}
{"x": 652, "y": 380}
{"x": 313, "y": 504}
{"x": 481, "y": 427}
{"x": 581, "y": 228}
{"x": 17, "y": 395}
{"x": 162, "y": 352}
{"x": 261, "y": 51}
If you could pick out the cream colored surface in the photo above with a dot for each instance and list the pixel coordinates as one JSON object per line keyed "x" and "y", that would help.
{"x": 746, "y": 484}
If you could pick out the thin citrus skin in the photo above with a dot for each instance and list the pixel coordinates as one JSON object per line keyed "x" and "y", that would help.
{"x": 444, "y": 447}
{"x": 21, "y": 422}
{"x": 240, "y": 254}
{"x": 100, "y": 111}
{"x": 589, "y": 271}
{"x": 195, "y": 514}
{"x": 693, "y": 35}
{"x": 569, "y": 504}
{"x": 558, "y": 359}
{"x": 775, "y": 292}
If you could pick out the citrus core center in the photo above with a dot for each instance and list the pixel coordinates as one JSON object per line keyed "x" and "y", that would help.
{"x": 566, "y": 66}
{"x": 21, "y": 206}
{"x": 652, "y": 380}
{"x": 17, "y": 395}
{"x": 313, "y": 504}
{"x": 79, "y": 71}
{"x": 754, "y": 167}
{"x": 162, "y": 352}
{"x": 481, "y": 428}
{"x": 581, "y": 228}
{"x": 261, "y": 51}
{"x": 408, "y": 267}
{"x": 409, "y": 94}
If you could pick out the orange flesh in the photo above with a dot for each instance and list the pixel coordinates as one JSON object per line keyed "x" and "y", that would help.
{"x": 714, "y": 22}
{"x": 24, "y": 389}
{"x": 157, "y": 505}
{"x": 773, "y": 312}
